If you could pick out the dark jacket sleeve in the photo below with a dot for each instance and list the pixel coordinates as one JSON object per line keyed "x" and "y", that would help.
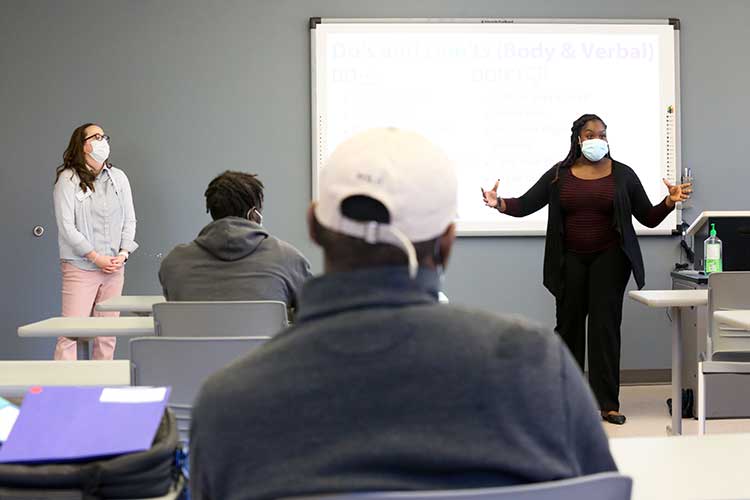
{"x": 532, "y": 200}
{"x": 644, "y": 212}
{"x": 162, "y": 278}
{"x": 197, "y": 480}
{"x": 587, "y": 442}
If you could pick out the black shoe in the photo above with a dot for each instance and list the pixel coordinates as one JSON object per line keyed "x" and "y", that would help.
{"x": 614, "y": 418}
{"x": 688, "y": 400}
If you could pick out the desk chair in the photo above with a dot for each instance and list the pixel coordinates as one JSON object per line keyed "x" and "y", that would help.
{"x": 603, "y": 486}
{"x": 728, "y": 349}
{"x": 184, "y": 363}
{"x": 219, "y": 319}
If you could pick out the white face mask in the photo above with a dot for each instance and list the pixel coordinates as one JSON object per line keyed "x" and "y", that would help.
{"x": 594, "y": 149}
{"x": 249, "y": 216}
{"x": 99, "y": 151}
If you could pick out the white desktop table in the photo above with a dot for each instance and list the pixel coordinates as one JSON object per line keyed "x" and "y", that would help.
{"x": 16, "y": 377}
{"x": 140, "y": 305}
{"x": 738, "y": 318}
{"x": 674, "y": 300}
{"x": 83, "y": 329}
{"x": 685, "y": 467}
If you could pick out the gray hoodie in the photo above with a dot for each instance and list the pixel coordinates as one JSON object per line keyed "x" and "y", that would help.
{"x": 234, "y": 259}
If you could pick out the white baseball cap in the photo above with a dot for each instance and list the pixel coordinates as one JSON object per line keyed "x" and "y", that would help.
{"x": 409, "y": 175}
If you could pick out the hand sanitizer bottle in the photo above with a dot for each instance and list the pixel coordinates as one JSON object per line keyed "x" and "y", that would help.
{"x": 712, "y": 252}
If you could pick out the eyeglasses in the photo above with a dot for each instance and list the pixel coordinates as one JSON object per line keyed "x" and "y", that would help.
{"x": 97, "y": 137}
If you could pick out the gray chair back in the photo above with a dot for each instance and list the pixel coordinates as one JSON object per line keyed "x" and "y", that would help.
{"x": 219, "y": 319}
{"x": 603, "y": 486}
{"x": 727, "y": 291}
{"x": 184, "y": 363}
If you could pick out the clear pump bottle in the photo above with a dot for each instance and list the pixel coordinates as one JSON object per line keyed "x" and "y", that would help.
{"x": 712, "y": 252}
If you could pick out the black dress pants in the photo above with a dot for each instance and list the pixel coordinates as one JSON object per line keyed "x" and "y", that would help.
{"x": 593, "y": 287}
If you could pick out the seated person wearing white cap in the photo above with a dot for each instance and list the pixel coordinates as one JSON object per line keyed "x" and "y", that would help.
{"x": 379, "y": 387}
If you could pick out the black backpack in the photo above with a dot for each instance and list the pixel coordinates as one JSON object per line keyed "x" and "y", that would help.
{"x": 144, "y": 474}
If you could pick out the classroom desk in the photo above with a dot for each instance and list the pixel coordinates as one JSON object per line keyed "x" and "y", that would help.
{"x": 140, "y": 305}
{"x": 674, "y": 300}
{"x": 16, "y": 377}
{"x": 685, "y": 467}
{"x": 738, "y": 318}
{"x": 85, "y": 328}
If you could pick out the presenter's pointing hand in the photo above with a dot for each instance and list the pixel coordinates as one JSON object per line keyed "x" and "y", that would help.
{"x": 490, "y": 196}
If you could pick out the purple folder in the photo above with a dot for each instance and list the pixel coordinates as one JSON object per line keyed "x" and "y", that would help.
{"x": 74, "y": 423}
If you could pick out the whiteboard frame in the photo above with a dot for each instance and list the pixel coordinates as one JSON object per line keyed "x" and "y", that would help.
{"x": 316, "y": 123}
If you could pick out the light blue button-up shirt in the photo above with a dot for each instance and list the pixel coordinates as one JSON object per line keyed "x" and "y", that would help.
{"x": 101, "y": 220}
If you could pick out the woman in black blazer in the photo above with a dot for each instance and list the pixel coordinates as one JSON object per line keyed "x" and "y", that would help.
{"x": 591, "y": 247}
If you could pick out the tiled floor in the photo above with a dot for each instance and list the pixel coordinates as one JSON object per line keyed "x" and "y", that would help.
{"x": 646, "y": 409}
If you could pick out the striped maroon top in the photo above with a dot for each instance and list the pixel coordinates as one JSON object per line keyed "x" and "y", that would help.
{"x": 588, "y": 207}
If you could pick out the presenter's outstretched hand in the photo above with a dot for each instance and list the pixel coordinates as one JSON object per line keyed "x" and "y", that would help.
{"x": 490, "y": 196}
{"x": 678, "y": 192}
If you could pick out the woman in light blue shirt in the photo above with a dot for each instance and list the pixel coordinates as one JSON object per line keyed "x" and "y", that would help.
{"x": 96, "y": 231}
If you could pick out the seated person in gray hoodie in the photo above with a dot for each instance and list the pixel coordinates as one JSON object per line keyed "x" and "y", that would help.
{"x": 234, "y": 257}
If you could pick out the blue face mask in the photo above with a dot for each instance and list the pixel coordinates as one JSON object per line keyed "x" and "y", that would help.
{"x": 594, "y": 149}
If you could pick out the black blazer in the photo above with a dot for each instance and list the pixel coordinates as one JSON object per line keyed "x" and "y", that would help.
{"x": 630, "y": 200}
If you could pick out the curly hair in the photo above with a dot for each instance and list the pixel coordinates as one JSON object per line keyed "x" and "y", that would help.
{"x": 234, "y": 194}
{"x": 74, "y": 159}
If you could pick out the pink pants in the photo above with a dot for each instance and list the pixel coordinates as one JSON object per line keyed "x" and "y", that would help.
{"x": 81, "y": 291}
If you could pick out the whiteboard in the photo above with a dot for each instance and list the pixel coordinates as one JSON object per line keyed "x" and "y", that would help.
{"x": 499, "y": 96}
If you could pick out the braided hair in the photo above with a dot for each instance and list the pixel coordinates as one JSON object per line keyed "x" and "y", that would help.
{"x": 234, "y": 194}
{"x": 575, "y": 146}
